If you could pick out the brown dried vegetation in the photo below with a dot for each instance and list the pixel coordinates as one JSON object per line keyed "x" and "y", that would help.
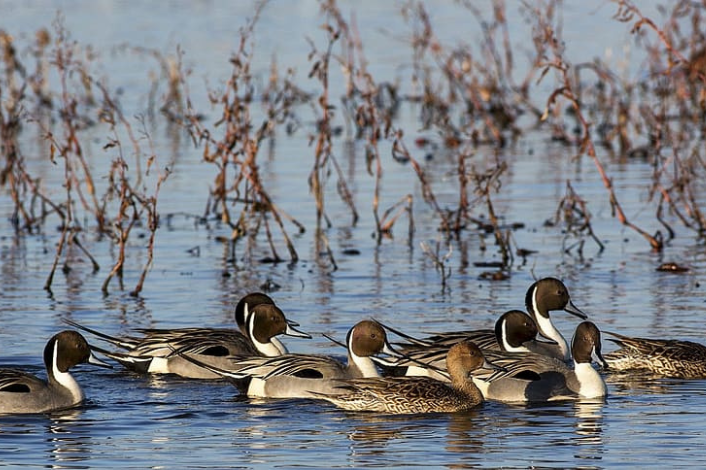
{"x": 469, "y": 96}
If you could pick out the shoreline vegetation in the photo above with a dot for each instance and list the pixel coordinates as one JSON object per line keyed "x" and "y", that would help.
{"x": 468, "y": 96}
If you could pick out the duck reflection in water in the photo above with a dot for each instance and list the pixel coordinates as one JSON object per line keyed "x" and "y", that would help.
{"x": 589, "y": 428}
{"x": 370, "y": 434}
{"x": 69, "y": 437}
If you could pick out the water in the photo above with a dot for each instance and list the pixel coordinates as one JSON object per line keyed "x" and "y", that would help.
{"x": 135, "y": 421}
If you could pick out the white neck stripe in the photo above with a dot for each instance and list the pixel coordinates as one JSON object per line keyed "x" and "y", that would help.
{"x": 65, "y": 379}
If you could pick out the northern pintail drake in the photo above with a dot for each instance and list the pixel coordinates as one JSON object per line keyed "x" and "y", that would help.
{"x": 531, "y": 377}
{"x": 262, "y": 322}
{"x": 664, "y": 357}
{"x": 404, "y": 395}
{"x": 515, "y": 331}
{"x": 544, "y": 296}
{"x": 303, "y": 375}
{"x": 21, "y": 392}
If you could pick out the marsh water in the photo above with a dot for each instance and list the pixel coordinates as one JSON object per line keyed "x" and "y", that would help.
{"x": 131, "y": 420}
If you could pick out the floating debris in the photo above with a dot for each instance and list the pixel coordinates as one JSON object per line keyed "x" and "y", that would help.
{"x": 494, "y": 276}
{"x": 672, "y": 268}
{"x": 270, "y": 286}
{"x": 523, "y": 252}
{"x": 488, "y": 264}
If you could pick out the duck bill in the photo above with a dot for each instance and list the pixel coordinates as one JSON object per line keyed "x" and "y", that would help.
{"x": 291, "y": 331}
{"x": 292, "y": 323}
{"x": 572, "y": 309}
{"x": 97, "y": 362}
{"x": 598, "y": 358}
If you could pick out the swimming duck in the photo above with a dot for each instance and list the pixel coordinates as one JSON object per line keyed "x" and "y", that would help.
{"x": 515, "y": 331}
{"x": 261, "y": 321}
{"x": 544, "y": 296}
{"x": 21, "y": 392}
{"x": 403, "y": 395}
{"x": 664, "y": 357}
{"x": 303, "y": 375}
{"x": 536, "y": 377}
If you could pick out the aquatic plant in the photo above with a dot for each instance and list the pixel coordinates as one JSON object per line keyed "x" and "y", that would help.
{"x": 469, "y": 100}
{"x": 62, "y": 116}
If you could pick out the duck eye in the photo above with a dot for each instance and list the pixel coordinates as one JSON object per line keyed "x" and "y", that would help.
{"x": 373, "y": 335}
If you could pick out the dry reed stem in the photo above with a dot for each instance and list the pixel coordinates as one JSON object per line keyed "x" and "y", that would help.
{"x": 239, "y": 146}
{"x": 68, "y": 147}
{"x": 573, "y": 210}
{"x": 470, "y": 98}
{"x": 439, "y": 261}
{"x": 548, "y": 37}
{"x": 150, "y": 205}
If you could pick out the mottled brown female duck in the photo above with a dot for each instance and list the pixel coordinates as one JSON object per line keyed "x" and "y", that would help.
{"x": 405, "y": 395}
{"x": 664, "y": 357}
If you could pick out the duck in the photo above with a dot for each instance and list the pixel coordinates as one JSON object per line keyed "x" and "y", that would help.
{"x": 664, "y": 357}
{"x": 514, "y": 332}
{"x": 304, "y": 375}
{"x": 413, "y": 395}
{"x": 257, "y": 317}
{"x": 543, "y": 296}
{"x": 532, "y": 377}
{"x": 22, "y": 392}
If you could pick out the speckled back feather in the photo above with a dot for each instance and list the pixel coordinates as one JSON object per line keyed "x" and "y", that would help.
{"x": 666, "y": 357}
{"x": 401, "y": 395}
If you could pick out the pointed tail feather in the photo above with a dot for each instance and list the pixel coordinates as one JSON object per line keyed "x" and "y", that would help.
{"x": 119, "y": 342}
{"x": 405, "y": 336}
{"x": 135, "y": 363}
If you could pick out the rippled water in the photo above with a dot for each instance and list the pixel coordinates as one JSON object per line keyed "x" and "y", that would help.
{"x": 135, "y": 421}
